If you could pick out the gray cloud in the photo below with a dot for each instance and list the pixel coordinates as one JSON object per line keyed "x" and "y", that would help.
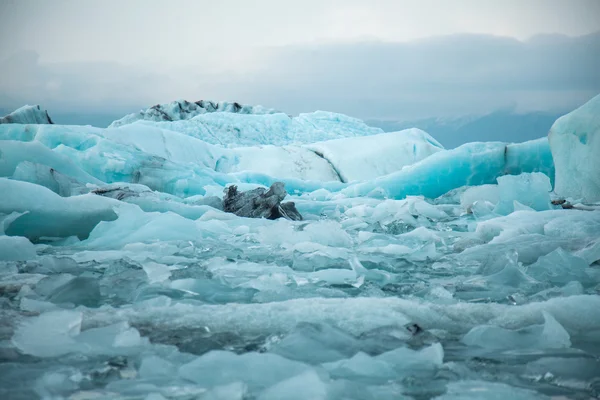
{"x": 442, "y": 76}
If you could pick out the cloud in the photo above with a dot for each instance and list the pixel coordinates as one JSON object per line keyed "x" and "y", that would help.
{"x": 442, "y": 76}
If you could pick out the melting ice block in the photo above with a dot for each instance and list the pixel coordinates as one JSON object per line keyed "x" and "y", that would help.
{"x": 575, "y": 143}
{"x": 16, "y": 249}
{"x": 307, "y": 385}
{"x": 50, "y": 334}
{"x": 531, "y": 190}
{"x": 550, "y": 335}
{"x": 559, "y": 268}
{"x": 257, "y": 370}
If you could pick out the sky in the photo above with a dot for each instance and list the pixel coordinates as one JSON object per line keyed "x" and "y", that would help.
{"x": 389, "y": 59}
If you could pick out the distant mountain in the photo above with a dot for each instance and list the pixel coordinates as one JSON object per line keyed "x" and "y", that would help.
{"x": 502, "y": 125}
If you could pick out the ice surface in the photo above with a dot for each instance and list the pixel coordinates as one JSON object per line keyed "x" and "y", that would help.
{"x": 575, "y": 142}
{"x": 121, "y": 276}
{"x": 45, "y": 214}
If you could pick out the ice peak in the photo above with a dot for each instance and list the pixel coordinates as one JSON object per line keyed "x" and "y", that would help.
{"x": 182, "y": 109}
{"x": 27, "y": 115}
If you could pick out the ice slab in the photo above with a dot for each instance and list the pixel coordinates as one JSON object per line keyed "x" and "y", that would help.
{"x": 549, "y": 335}
{"x": 530, "y": 190}
{"x": 256, "y": 370}
{"x": 470, "y": 389}
{"x": 367, "y": 157}
{"x": 575, "y": 143}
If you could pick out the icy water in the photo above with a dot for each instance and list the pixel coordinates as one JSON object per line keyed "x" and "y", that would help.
{"x": 364, "y": 299}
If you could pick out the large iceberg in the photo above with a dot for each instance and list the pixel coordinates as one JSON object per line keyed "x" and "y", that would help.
{"x": 575, "y": 143}
{"x": 132, "y": 264}
{"x": 468, "y": 165}
{"x": 182, "y": 110}
{"x": 234, "y": 129}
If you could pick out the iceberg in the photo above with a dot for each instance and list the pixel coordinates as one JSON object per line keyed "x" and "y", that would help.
{"x": 367, "y": 157}
{"x": 278, "y": 129}
{"x": 471, "y": 164}
{"x": 27, "y": 115}
{"x": 183, "y": 109}
{"x": 575, "y": 143}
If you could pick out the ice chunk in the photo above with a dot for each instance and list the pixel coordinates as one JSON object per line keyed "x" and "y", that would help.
{"x": 307, "y": 385}
{"x": 232, "y": 391}
{"x": 211, "y": 291}
{"x": 531, "y": 190}
{"x": 16, "y": 249}
{"x": 156, "y": 272}
{"x": 575, "y": 143}
{"x": 385, "y": 366}
{"x": 315, "y": 344}
{"x": 47, "y": 214}
{"x": 488, "y": 193}
{"x": 154, "y": 366}
{"x": 547, "y": 336}
{"x": 470, "y": 389}
{"x": 50, "y": 334}
{"x": 133, "y": 226}
{"x": 36, "y": 163}
{"x": 256, "y": 370}
{"x": 80, "y": 291}
{"x": 109, "y": 339}
{"x": 559, "y": 268}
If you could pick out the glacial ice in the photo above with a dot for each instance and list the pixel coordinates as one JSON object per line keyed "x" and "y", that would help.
{"x": 529, "y": 190}
{"x": 27, "y": 115}
{"x": 468, "y": 165}
{"x": 367, "y": 157}
{"x": 235, "y": 130}
{"x": 183, "y": 110}
{"x": 575, "y": 143}
{"x": 429, "y": 273}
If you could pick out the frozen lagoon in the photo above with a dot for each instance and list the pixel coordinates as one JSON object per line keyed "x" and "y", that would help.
{"x": 444, "y": 274}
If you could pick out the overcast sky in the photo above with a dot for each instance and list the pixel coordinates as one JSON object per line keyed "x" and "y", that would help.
{"x": 372, "y": 59}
